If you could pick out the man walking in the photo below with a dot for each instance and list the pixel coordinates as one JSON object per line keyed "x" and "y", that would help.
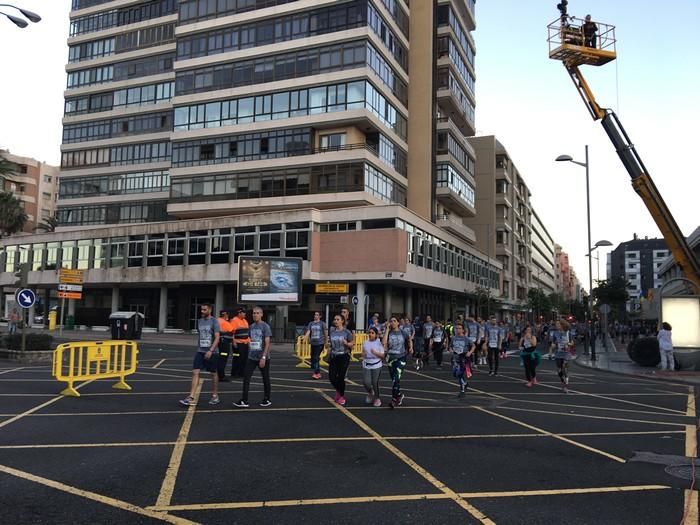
{"x": 258, "y": 357}
{"x": 239, "y": 353}
{"x": 206, "y": 357}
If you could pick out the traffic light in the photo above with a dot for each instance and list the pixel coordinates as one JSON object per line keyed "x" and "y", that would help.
{"x": 22, "y": 274}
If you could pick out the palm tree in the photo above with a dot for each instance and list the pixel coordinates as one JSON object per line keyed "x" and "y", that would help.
{"x": 6, "y": 167}
{"x": 48, "y": 225}
{"x": 12, "y": 215}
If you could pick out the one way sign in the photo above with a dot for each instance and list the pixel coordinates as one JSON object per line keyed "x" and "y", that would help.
{"x": 26, "y": 298}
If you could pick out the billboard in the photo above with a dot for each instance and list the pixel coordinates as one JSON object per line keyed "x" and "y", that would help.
{"x": 269, "y": 280}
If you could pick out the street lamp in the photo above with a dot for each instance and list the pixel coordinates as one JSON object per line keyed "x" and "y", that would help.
{"x": 21, "y": 22}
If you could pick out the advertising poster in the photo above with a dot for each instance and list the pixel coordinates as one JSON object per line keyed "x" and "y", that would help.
{"x": 269, "y": 280}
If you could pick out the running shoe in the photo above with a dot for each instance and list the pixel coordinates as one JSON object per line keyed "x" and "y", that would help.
{"x": 490, "y": 372}
{"x": 377, "y": 402}
{"x": 337, "y": 396}
{"x": 534, "y": 380}
{"x": 368, "y": 400}
{"x": 265, "y": 403}
{"x": 528, "y": 384}
{"x": 316, "y": 375}
{"x": 566, "y": 380}
{"x": 399, "y": 400}
{"x": 241, "y": 404}
{"x": 214, "y": 400}
{"x": 189, "y": 400}
{"x": 341, "y": 401}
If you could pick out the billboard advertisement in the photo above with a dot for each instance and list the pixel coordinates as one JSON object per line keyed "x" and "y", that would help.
{"x": 269, "y": 280}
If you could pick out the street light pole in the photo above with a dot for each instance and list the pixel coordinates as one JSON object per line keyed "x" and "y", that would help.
{"x": 590, "y": 264}
{"x": 21, "y": 22}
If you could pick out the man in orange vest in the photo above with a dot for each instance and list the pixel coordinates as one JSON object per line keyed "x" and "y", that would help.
{"x": 224, "y": 345}
{"x": 239, "y": 356}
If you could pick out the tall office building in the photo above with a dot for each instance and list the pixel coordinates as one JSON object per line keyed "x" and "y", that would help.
{"x": 201, "y": 130}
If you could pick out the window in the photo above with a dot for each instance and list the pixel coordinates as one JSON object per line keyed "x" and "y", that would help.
{"x": 176, "y": 249}
{"x": 136, "y": 249}
{"x": 333, "y": 141}
{"x": 198, "y": 241}
{"x": 154, "y": 254}
{"x": 220, "y": 245}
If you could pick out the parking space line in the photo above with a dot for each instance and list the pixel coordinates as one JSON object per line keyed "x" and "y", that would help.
{"x": 560, "y": 492}
{"x": 473, "y": 511}
{"x": 11, "y": 370}
{"x": 168, "y": 486}
{"x": 589, "y": 416}
{"x": 690, "y": 514}
{"x": 555, "y": 436}
{"x": 39, "y": 407}
{"x": 690, "y": 405}
{"x": 158, "y": 363}
{"x": 589, "y": 407}
{"x": 112, "y": 502}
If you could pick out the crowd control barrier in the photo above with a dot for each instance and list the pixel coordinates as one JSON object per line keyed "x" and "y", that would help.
{"x": 302, "y": 351}
{"x": 87, "y": 360}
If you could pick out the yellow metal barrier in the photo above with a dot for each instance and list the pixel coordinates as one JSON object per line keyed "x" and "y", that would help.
{"x": 302, "y": 351}
{"x": 94, "y": 360}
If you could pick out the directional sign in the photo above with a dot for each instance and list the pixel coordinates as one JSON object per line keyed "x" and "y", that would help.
{"x": 26, "y": 298}
{"x": 70, "y": 295}
{"x": 332, "y": 288}
{"x": 68, "y": 276}
{"x": 70, "y": 287}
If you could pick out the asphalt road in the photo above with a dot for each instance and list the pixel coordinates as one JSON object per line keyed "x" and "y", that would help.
{"x": 503, "y": 454}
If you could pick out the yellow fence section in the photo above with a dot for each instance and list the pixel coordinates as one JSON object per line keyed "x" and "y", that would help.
{"x": 302, "y": 351}
{"x": 87, "y": 360}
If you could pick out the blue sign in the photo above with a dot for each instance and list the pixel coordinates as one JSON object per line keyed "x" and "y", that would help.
{"x": 355, "y": 300}
{"x": 26, "y": 298}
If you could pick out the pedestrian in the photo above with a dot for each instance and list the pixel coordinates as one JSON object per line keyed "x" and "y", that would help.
{"x": 437, "y": 343}
{"x": 376, "y": 324}
{"x": 530, "y": 355}
{"x": 550, "y": 340}
{"x": 258, "y": 357}
{"x": 406, "y": 327}
{"x": 208, "y": 335}
{"x": 225, "y": 341}
{"x": 398, "y": 347}
{"x": 424, "y": 350}
{"x": 666, "y": 347}
{"x": 493, "y": 339}
{"x": 462, "y": 349}
{"x": 317, "y": 337}
{"x": 472, "y": 330}
{"x": 341, "y": 343}
{"x": 562, "y": 342}
{"x": 504, "y": 333}
{"x": 347, "y": 321}
{"x": 372, "y": 361}
{"x": 14, "y": 320}
{"x": 481, "y": 345}
{"x": 589, "y": 32}
{"x": 241, "y": 340}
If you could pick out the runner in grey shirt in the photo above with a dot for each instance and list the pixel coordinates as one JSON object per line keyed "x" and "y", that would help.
{"x": 208, "y": 334}
{"x": 317, "y": 335}
{"x": 398, "y": 346}
{"x": 258, "y": 357}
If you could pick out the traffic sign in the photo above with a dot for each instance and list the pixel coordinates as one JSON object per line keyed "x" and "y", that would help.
{"x": 68, "y": 276}
{"x": 70, "y": 295}
{"x": 70, "y": 287}
{"x": 333, "y": 288}
{"x": 355, "y": 300}
{"x": 26, "y": 298}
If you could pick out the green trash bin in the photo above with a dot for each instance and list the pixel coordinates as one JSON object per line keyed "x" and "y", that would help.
{"x": 70, "y": 323}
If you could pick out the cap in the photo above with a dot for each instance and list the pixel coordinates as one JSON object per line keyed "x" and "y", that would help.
{"x": 239, "y": 310}
{"x": 222, "y": 312}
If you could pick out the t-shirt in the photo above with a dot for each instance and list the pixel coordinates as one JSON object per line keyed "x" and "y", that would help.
{"x": 438, "y": 335}
{"x": 473, "y": 330}
{"x": 459, "y": 344}
{"x": 369, "y": 360}
{"x": 258, "y": 332}
{"x": 408, "y": 330}
{"x": 665, "y": 342}
{"x": 337, "y": 339}
{"x": 316, "y": 329}
{"x": 397, "y": 343}
{"x": 427, "y": 330}
{"x": 527, "y": 345}
{"x": 561, "y": 339}
{"x": 492, "y": 332}
{"x": 207, "y": 328}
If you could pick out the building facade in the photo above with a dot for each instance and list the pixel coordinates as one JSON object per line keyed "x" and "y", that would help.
{"x": 200, "y": 130}
{"x": 34, "y": 184}
{"x": 543, "y": 270}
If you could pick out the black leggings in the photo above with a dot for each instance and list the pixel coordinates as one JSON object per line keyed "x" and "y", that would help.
{"x": 337, "y": 368}
{"x": 316, "y": 357}
{"x": 530, "y": 366}
{"x": 493, "y": 356}
{"x": 224, "y": 351}
{"x": 250, "y": 367}
{"x": 562, "y": 369}
{"x": 437, "y": 352}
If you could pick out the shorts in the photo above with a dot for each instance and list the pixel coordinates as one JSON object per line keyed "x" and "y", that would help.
{"x": 200, "y": 363}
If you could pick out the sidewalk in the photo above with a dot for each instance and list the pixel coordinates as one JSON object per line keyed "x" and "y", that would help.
{"x": 618, "y": 362}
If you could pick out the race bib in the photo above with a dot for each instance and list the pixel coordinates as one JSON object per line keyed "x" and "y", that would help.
{"x": 205, "y": 342}
{"x": 255, "y": 345}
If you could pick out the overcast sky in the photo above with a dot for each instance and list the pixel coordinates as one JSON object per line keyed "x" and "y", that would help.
{"x": 525, "y": 99}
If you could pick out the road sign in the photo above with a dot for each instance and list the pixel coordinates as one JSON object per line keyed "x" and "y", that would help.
{"x": 333, "y": 288}
{"x": 68, "y": 276}
{"x": 604, "y": 309}
{"x": 355, "y": 300}
{"x": 70, "y": 287}
{"x": 70, "y": 295}
{"x": 26, "y": 298}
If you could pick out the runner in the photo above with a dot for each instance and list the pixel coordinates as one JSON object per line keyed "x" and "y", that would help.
{"x": 317, "y": 336}
{"x": 481, "y": 344}
{"x": 341, "y": 342}
{"x": 398, "y": 347}
{"x": 530, "y": 356}
{"x": 424, "y": 350}
{"x": 373, "y": 357}
{"x": 258, "y": 357}
{"x": 437, "y": 343}
{"x": 205, "y": 358}
{"x": 347, "y": 322}
{"x": 472, "y": 328}
{"x": 406, "y": 327}
{"x": 561, "y": 341}
{"x": 462, "y": 350}
{"x": 493, "y": 337}
{"x": 505, "y": 339}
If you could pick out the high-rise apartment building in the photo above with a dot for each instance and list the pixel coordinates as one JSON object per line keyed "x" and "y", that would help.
{"x": 543, "y": 271}
{"x": 196, "y": 131}
{"x": 34, "y": 184}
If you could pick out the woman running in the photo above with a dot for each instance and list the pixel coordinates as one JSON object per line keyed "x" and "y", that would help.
{"x": 462, "y": 350}
{"x": 530, "y": 356}
{"x": 437, "y": 343}
{"x": 398, "y": 347}
{"x": 561, "y": 341}
{"x": 341, "y": 345}
{"x": 373, "y": 356}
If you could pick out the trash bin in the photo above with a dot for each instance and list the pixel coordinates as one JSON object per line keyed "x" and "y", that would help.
{"x": 126, "y": 325}
{"x": 70, "y": 323}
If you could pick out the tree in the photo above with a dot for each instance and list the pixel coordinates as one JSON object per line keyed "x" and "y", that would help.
{"x": 612, "y": 292}
{"x": 6, "y": 167}
{"x": 48, "y": 225}
{"x": 557, "y": 302}
{"x": 538, "y": 302}
{"x": 12, "y": 215}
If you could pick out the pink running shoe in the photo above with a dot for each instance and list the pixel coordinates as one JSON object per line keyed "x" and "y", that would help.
{"x": 377, "y": 402}
{"x": 534, "y": 380}
{"x": 341, "y": 401}
{"x": 528, "y": 384}
{"x": 316, "y": 375}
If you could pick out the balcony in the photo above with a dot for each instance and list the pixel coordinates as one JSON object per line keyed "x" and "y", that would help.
{"x": 504, "y": 200}
{"x": 457, "y": 228}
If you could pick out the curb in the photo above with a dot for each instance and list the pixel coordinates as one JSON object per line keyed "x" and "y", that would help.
{"x": 638, "y": 376}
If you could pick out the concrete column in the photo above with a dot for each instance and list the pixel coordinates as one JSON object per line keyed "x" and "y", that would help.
{"x": 218, "y": 300}
{"x": 409, "y": 303}
{"x": 280, "y": 323}
{"x": 362, "y": 301}
{"x": 387, "y": 301}
{"x": 115, "y": 298}
{"x": 163, "y": 308}
{"x": 71, "y": 307}
{"x": 30, "y": 317}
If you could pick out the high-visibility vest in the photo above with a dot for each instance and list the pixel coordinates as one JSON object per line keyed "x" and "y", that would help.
{"x": 225, "y": 328}
{"x": 240, "y": 329}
